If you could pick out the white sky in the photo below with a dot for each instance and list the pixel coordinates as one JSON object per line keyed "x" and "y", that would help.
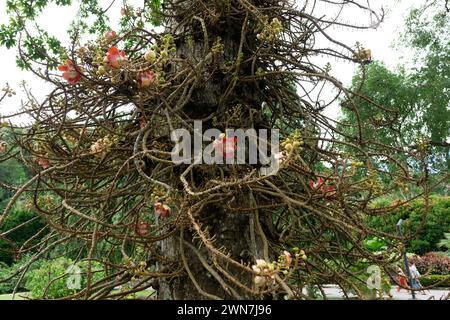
{"x": 57, "y": 19}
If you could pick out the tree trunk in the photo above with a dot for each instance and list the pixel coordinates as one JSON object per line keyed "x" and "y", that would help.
{"x": 233, "y": 231}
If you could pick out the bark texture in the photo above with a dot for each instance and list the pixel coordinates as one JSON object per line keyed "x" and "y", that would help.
{"x": 234, "y": 231}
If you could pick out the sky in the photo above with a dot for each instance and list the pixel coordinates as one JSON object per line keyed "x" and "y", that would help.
{"x": 56, "y": 20}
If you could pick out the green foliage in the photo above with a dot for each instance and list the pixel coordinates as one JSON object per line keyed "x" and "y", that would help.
{"x": 42, "y": 278}
{"x": 413, "y": 110}
{"x": 445, "y": 243}
{"x": 13, "y": 174}
{"x": 393, "y": 91}
{"x": 15, "y": 239}
{"x": 415, "y": 97}
{"x": 427, "y": 33}
{"x": 154, "y": 12}
{"x": 40, "y": 46}
{"x": 360, "y": 281}
{"x": 7, "y": 286}
{"x": 50, "y": 279}
{"x": 6, "y": 271}
{"x": 431, "y": 227}
{"x": 435, "y": 280}
{"x": 375, "y": 244}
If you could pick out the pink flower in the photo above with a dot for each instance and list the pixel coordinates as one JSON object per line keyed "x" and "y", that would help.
{"x": 226, "y": 146}
{"x": 329, "y": 191}
{"x": 288, "y": 257}
{"x": 70, "y": 72}
{"x": 316, "y": 185}
{"x": 110, "y": 35}
{"x": 162, "y": 209}
{"x": 146, "y": 79}
{"x": 142, "y": 228}
{"x": 44, "y": 163}
{"x": 115, "y": 57}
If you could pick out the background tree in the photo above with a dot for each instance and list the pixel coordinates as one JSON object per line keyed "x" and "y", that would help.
{"x": 22, "y": 224}
{"x": 100, "y": 147}
{"x": 415, "y": 96}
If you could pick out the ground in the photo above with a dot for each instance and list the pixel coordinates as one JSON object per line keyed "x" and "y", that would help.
{"x": 333, "y": 292}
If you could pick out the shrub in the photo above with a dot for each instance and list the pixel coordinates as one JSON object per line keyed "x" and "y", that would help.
{"x": 52, "y": 276}
{"x": 436, "y": 223}
{"x": 432, "y": 263}
{"x": 6, "y": 271}
{"x": 12, "y": 173}
{"x": 435, "y": 280}
{"x": 16, "y": 217}
{"x": 39, "y": 279}
{"x": 445, "y": 244}
{"x": 7, "y": 286}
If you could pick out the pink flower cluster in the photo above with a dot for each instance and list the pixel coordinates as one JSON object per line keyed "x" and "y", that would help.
{"x": 114, "y": 58}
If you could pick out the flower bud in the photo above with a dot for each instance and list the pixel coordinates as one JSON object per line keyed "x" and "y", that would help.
{"x": 150, "y": 56}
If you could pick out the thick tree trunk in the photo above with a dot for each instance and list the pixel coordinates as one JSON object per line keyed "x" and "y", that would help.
{"x": 232, "y": 231}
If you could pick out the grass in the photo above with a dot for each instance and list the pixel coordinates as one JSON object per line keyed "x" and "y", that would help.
{"x": 19, "y": 296}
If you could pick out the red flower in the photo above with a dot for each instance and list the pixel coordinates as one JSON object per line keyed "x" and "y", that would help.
{"x": 70, "y": 72}
{"x": 142, "y": 123}
{"x": 162, "y": 209}
{"x": 316, "y": 185}
{"x": 226, "y": 146}
{"x": 115, "y": 57}
{"x": 146, "y": 79}
{"x": 44, "y": 163}
{"x": 142, "y": 228}
{"x": 110, "y": 35}
{"x": 329, "y": 191}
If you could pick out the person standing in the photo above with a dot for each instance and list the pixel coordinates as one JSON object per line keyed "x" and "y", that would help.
{"x": 402, "y": 280}
{"x": 415, "y": 275}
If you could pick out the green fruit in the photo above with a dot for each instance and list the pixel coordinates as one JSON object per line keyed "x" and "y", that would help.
{"x": 101, "y": 71}
{"x": 164, "y": 54}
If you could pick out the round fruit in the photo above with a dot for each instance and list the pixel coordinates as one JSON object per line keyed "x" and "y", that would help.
{"x": 150, "y": 56}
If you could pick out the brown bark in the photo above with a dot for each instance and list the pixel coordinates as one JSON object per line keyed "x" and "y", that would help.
{"x": 231, "y": 230}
